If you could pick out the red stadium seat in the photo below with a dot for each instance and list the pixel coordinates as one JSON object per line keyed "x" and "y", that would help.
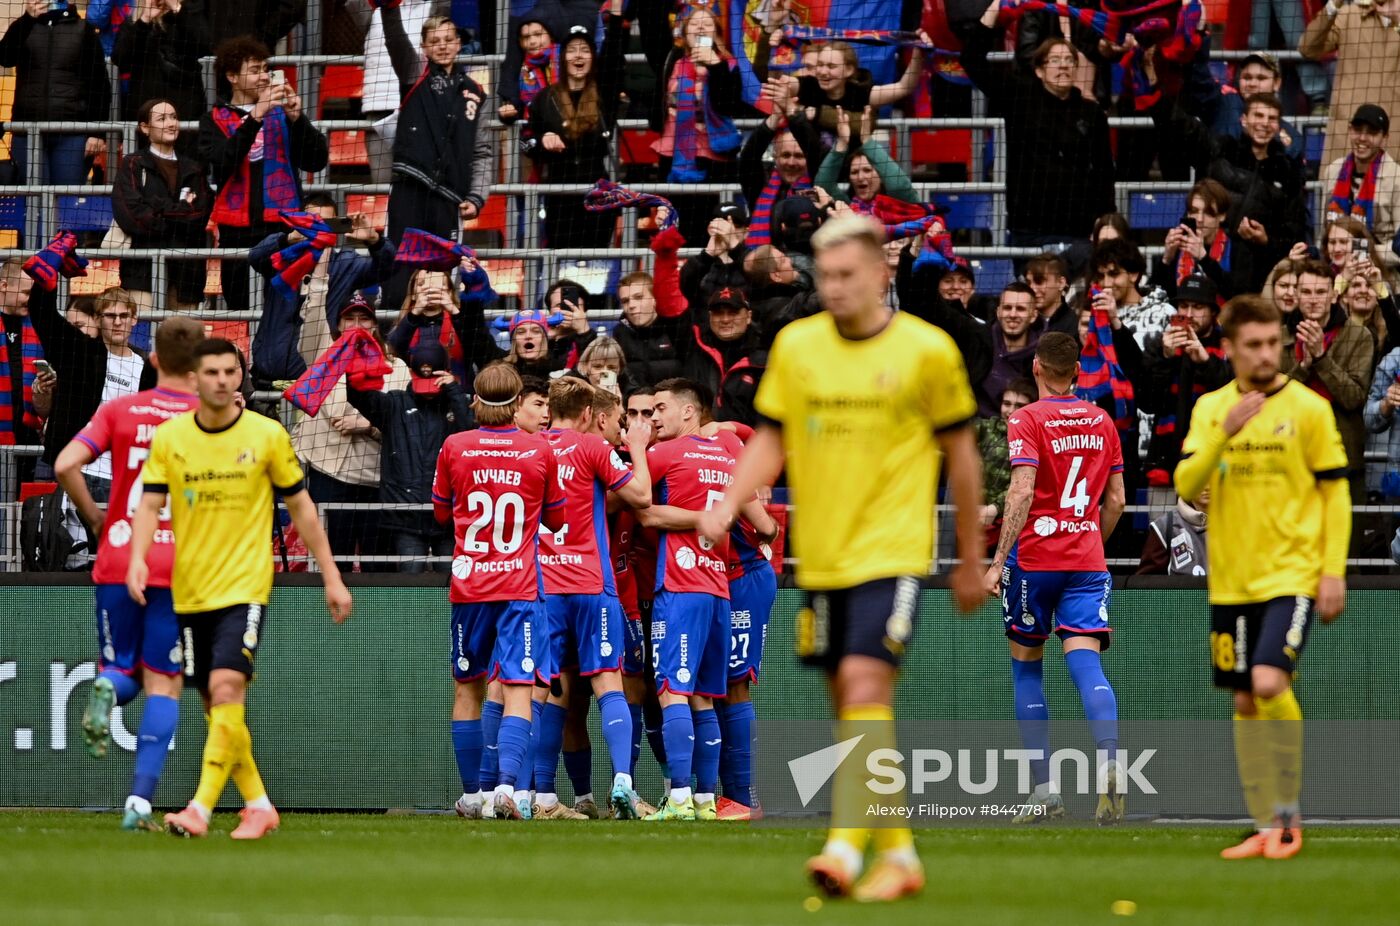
{"x": 341, "y": 83}
{"x": 944, "y": 146}
{"x": 348, "y": 149}
{"x": 636, "y": 147}
{"x": 374, "y": 206}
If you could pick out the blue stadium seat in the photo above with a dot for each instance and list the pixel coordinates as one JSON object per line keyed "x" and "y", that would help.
{"x": 968, "y": 210}
{"x": 993, "y": 275}
{"x": 599, "y": 277}
{"x": 1313, "y": 144}
{"x": 84, "y": 213}
{"x": 12, "y": 214}
{"x": 1155, "y": 210}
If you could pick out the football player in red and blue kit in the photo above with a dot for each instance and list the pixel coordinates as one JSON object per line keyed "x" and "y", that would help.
{"x": 140, "y": 644}
{"x": 1066, "y": 459}
{"x": 690, "y": 631}
{"x": 497, "y": 484}
{"x": 585, "y": 616}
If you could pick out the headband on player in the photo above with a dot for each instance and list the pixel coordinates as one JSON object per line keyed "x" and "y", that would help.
{"x": 497, "y": 404}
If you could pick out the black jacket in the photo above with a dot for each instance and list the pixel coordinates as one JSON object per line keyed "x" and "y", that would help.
{"x": 584, "y": 159}
{"x": 414, "y": 428}
{"x": 163, "y": 60}
{"x": 1228, "y": 283}
{"x": 653, "y": 353}
{"x": 731, "y": 370}
{"x": 441, "y": 143}
{"x": 704, "y": 275}
{"x": 1268, "y": 190}
{"x": 1060, "y": 169}
{"x": 59, "y": 67}
{"x": 81, "y": 365}
{"x": 268, "y": 21}
{"x": 155, "y": 216}
{"x": 310, "y": 151}
{"x": 1175, "y": 383}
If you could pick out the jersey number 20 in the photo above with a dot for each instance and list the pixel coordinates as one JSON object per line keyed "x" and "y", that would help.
{"x": 505, "y": 516}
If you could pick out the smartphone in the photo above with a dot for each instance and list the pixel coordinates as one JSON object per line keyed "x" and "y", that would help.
{"x": 1360, "y": 247}
{"x": 279, "y": 77}
{"x": 1179, "y": 321}
{"x": 607, "y": 378}
{"x": 572, "y": 295}
{"x": 705, "y": 41}
{"x": 41, "y": 366}
{"x": 1188, "y": 222}
{"x": 341, "y": 224}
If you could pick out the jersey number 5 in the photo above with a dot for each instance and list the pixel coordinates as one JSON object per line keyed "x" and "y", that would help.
{"x": 506, "y": 518}
{"x": 1075, "y": 493}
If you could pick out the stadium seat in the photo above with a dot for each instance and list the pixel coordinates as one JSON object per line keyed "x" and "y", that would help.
{"x": 487, "y": 230}
{"x": 342, "y": 87}
{"x": 376, "y": 207}
{"x": 1314, "y": 143}
{"x": 507, "y": 276}
{"x": 946, "y": 146}
{"x": 599, "y": 277}
{"x": 237, "y": 332}
{"x": 348, "y": 149}
{"x": 12, "y": 211}
{"x": 101, "y": 275}
{"x": 968, "y": 210}
{"x": 1155, "y": 210}
{"x": 85, "y": 213}
{"x": 993, "y": 275}
{"x": 636, "y": 147}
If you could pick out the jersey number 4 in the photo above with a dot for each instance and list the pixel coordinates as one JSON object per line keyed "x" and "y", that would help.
{"x": 504, "y": 516}
{"x": 1076, "y": 491}
{"x": 135, "y": 459}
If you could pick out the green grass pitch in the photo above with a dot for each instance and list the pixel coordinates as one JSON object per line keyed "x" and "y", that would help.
{"x": 63, "y": 867}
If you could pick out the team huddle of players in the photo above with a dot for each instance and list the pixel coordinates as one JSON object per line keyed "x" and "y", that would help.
{"x": 564, "y": 551}
{"x": 551, "y": 527}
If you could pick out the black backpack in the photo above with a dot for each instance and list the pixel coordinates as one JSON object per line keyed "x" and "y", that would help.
{"x": 43, "y": 534}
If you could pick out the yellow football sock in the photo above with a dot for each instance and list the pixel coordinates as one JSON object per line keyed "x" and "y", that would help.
{"x": 1254, "y": 756}
{"x": 851, "y": 801}
{"x": 1283, "y": 723}
{"x": 246, "y": 777}
{"x": 225, "y": 743}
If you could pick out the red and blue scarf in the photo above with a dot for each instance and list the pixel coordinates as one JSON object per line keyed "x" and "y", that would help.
{"x": 607, "y": 195}
{"x": 901, "y": 219}
{"x": 690, "y": 97}
{"x": 30, "y": 351}
{"x": 1101, "y": 375}
{"x": 537, "y": 72}
{"x": 294, "y": 262}
{"x": 421, "y": 249}
{"x": 1219, "y": 252}
{"x": 355, "y": 355}
{"x": 58, "y": 258}
{"x": 1363, "y": 206}
{"x": 279, "y": 181}
{"x": 760, "y": 231}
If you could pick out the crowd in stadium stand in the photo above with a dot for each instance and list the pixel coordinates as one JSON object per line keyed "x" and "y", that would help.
{"x": 727, "y": 271}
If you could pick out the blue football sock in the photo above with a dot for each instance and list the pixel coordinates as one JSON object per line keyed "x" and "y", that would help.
{"x": 578, "y": 765}
{"x": 159, "y": 718}
{"x": 637, "y": 730}
{"x": 1100, "y": 703}
{"x": 738, "y": 748}
{"x": 125, "y": 686}
{"x": 526, "y": 781}
{"x": 707, "y": 749}
{"x": 678, "y": 730}
{"x": 617, "y": 730}
{"x": 1032, "y": 713}
{"x": 466, "y": 746}
{"x": 490, "y": 729}
{"x": 726, "y": 761}
{"x": 512, "y": 743}
{"x": 548, "y": 740}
